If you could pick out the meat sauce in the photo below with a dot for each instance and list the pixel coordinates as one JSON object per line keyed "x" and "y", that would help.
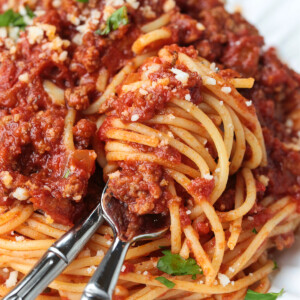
{"x": 33, "y": 155}
{"x": 142, "y": 186}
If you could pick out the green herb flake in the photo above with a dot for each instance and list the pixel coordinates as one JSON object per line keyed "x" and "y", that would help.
{"x": 174, "y": 264}
{"x": 83, "y": 1}
{"x": 254, "y": 230}
{"x": 117, "y": 19}
{"x": 11, "y": 18}
{"x": 67, "y": 173}
{"x": 275, "y": 265}
{"x": 251, "y": 295}
{"x": 29, "y": 12}
{"x": 169, "y": 284}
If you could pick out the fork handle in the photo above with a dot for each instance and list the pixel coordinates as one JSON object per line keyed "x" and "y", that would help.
{"x": 103, "y": 282}
{"x": 58, "y": 256}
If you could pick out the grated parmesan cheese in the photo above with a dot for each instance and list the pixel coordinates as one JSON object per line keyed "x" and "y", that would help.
{"x": 200, "y": 26}
{"x": 143, "y": 92}
{"x": 90, "y": 269}
{"x": 163, "y": 142}
{"x": 134, "y": 117}
{"x": 77, "y": 198}
{"x": 6, "y": 179}
{"x": 114, "y": 175}
{"x": 187, "y": 97}
{"x": 56, "y": 3}
{"x": 123, "y": 268}
{"x": 19, "y": 238}
{"x": 170, "y": 134}
{"x": 148, "y": 12}
{"x": 213, "y": 66}
{"x": 224, "y": 280}
{"x": 221, "y": 103}
{"x": 133, "y": 3}
{"x": 22, "y": 10}
{"x": 226, "y": 89}
{"x": 188, "y": 212}
{"x": 100, "y": 253}
{"x": 209, "y": 80}
{"x": 263, "y": 179}
{"x": 35, "y": 34}
{"x": 3, "y": 33}
{"x": 73, "y": 19}
{"x": 114, "y": 2}
{"x": 21, "y": 194}
{"x": 169, "y": 5}
{"x": 289, "y": 123}
{"x": 180, "y": 75}
{"x": 249, "y": 103}
{"x": 208, "y": 176}
{"x": 24, "y": 77}
{"x": 63, "y": 56}
{"x": 77, "y": 39}
{"x": 39, "y": 12}
{"x": 12, "y": 279}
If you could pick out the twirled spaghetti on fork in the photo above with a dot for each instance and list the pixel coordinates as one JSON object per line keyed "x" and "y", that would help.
{"x": 187, "y": 117}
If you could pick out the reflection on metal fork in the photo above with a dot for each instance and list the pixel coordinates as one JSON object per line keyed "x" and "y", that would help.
{"x": 104, "y": 280}
{"x": 58, "y": 256}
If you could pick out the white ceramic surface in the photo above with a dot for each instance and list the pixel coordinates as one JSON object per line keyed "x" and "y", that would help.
{"x": 279, "y": 23}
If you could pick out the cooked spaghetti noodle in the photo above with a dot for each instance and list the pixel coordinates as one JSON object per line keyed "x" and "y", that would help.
{"x": 177, "y": 135}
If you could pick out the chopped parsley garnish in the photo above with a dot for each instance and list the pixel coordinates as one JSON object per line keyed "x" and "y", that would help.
{"x": 67, "y": 174}
{"x": 175, "y": 265}
{"x": 275, "y": 265}
{"x": 14, "y": 19}
{"x": 29, "y": 12}
{"x": 116, "y": 20}
{"x": 83, "y": 1}
{"x": 169, "y": 284}
{"x": 254, "y": 230}
{"x": 251, "y": 295}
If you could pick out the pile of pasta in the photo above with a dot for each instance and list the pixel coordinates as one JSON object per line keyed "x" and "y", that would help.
{"x": 233, "y": 260}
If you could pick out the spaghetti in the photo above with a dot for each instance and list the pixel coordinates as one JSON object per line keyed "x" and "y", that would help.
{"x": 176, "y": 135}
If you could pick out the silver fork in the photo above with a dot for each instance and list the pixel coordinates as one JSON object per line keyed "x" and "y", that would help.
{"x": 58, "y": 257}
{"x": 103, "y": 282}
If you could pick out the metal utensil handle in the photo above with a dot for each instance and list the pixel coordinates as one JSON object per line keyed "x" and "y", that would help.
{"x": 103, "y": 282}
{"x": 58, "y": 256}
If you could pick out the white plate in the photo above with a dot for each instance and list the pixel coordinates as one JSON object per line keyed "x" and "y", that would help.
{"x": 279, "y": 23}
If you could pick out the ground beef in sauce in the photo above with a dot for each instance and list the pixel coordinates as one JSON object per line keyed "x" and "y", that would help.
{"x": 143, "y": 186}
